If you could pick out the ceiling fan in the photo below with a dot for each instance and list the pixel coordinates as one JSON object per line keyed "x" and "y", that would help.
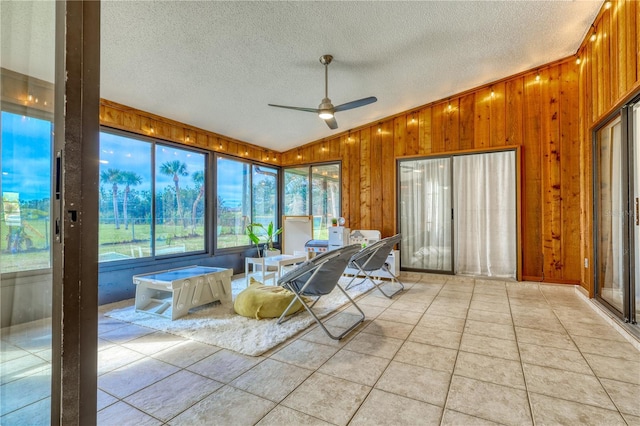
{"x": 326, "y": 110}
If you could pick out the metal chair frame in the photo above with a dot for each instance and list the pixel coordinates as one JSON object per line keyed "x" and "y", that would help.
{"x": 373, "y": 258}
{"x": 316, "y": 268}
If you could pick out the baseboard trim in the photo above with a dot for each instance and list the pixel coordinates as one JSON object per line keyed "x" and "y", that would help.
{"x": 623, "y": 328}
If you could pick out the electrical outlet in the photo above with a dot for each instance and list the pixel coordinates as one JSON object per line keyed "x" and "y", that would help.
{"x": 586, "y": 263}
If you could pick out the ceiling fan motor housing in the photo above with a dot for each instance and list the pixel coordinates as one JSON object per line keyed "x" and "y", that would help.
{"x": 325, "y": 109}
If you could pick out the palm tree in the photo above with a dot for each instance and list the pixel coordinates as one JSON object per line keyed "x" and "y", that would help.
{"x": 176, "y": 169}
{"x": 198, "y": 179}
{"x": 130, "y": 179}
{"x": 113, "y": 177}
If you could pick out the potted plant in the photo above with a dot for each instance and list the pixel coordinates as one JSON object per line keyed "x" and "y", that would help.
{"x": 334, "y": 221}
{"x": 270, "y": 232}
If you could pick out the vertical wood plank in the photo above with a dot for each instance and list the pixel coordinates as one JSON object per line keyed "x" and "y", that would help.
{"x": 606, "y": 59}
{"x": 388, "y": 180}
{"x": 467, "y": 120}
{"x": 482, "y": 125}
{"x": 514, "y": 111}
{"x": 399, "y": 135}
{"x": 570, "y": 173}
{"x": 592, "y": 58}
{"x": 346, "y": 182}
{"x": 425, "y": 131}
{"x": 614, "y": 61}
{"x": 177, "y": 134}
{"x": 622, "y": 46}
{"x": 366, "y": 170}
{"x": 412, "y": 133}
{"x": 376, "y": 178}
{"x": 532, "y": 261}
{"x": 437, "y": 125}
{"x": 202, "y": 140}
{"x": 497, "y": 117}
{"x": 131, "y": 120}
{"x": 551, "y": 178}
{"x": 163, "y": 130}
{"x": 354, "y": 177}
{"x": 112, "y": 116}
{"x": 452, "y": 126}
{"x": 632, "y": 44}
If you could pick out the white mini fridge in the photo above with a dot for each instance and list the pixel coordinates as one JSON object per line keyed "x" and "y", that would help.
{"x": 338, "y": 237}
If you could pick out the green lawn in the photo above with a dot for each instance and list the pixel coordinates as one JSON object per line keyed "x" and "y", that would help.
{"x": 117, "y": 244}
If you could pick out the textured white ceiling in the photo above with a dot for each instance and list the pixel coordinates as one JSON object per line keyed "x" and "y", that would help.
{"x": 216, "y": 65}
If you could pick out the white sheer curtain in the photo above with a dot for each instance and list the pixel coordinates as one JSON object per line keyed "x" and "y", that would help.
{"x": 425, "y": 197}
{"x": 485, "y": 219}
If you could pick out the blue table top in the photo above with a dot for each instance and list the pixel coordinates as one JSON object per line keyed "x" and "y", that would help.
{"x": 180, "y": 274}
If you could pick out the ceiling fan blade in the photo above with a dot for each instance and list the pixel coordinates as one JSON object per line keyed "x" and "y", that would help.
{"x": 355, "y": 104}
{"x": 296, "y": 108}
{"x": 332, "y": 123}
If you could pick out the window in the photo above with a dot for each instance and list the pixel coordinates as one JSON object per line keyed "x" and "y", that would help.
{"x": 130, "y": 185}
{"x": 179, "y": 187}
{"x": 265, "y": 195}
{"x": 296, "y": 191}
{"x": 324, "y": 197}
{"x": 247, "y": 193}
{"x": 25, "y": 222}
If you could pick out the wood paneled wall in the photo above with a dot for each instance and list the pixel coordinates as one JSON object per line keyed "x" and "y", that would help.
{"x": 609, "y": 77}
{"x": 549, "y": 112}
{"x": 537, "y": 111}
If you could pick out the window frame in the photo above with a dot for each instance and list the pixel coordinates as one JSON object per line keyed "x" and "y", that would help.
{"x": 154, "y": 143}
{"x": 214, "y": 208}
{"x": 310, "y": 167}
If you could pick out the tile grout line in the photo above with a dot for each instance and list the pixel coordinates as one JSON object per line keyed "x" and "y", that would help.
{"x": 585, "y": 360}
{"x": 446, "y": 400}
{"x": 320, "y": 366}
{"x": 394, "y": 355}
{"x": 524, "y": 376}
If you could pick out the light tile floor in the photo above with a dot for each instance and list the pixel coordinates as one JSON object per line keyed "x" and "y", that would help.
{"x": 447, "y": 351}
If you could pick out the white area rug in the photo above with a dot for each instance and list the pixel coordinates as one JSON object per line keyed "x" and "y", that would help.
{"x": 220, "y": 326}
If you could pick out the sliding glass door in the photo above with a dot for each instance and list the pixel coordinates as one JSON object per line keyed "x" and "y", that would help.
{"x": 610, "y": 229}
{"x": 26, "y": 139}
{"x": 636, "y": 213}
{"x": 457, "y": 214}
{"x": 425, "y": 213}
{"x": 485, "y": 214}
{"x": 616, "y": 212}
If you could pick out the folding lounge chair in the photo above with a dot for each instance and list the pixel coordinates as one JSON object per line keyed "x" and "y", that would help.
{"x": 373, "y": 258}
{"x": 317, "y": 277}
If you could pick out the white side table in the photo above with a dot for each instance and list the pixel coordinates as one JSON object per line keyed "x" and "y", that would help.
{"x": 173, "y": 292}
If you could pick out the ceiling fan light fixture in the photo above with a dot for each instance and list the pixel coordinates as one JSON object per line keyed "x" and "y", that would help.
{"x": 325, "y": 115}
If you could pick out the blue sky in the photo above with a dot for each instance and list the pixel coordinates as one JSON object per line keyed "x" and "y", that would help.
{"x": 26, "y": 161}
{"x": 125, "y": 154}
{"x": 26, "y": 156}
{"x": 230, "y": 179}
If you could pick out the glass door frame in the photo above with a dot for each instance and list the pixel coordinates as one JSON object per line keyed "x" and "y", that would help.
{"x": 399, "y": 162}
{"x": 627, "y": 209}
{"x": 518, "y": 185}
